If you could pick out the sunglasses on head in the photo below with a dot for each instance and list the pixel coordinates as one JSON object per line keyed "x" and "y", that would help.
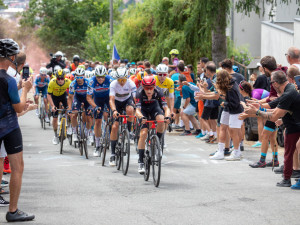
{"x": 240, "y": 85}
{"x": 162, "y": 74}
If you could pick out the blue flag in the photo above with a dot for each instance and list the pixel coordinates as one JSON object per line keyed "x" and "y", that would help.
{"x": 115, "y": 54}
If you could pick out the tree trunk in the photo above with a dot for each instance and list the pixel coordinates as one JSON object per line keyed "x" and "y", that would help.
{"x": 219, "y": 42}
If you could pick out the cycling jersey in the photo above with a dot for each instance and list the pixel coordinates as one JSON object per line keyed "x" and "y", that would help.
{"x": 97, "y": 89}
{"x": 135, "y": 80}
{"x": 79, "y": 90}
{"x": 56, "y": 89}
{"x": 167, "y": 86}
{"x": 157, "y": 97}
{"x": 39, "y": 83}
{"x": 122, "y": 93}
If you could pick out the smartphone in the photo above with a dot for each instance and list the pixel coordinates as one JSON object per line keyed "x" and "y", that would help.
{"x": 297, "y": 79}
{"x": 25, "y": 73}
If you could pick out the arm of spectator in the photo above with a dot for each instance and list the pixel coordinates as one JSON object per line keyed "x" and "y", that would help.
{"x": 192, "y": 86}
{"x": 29, "y": 107}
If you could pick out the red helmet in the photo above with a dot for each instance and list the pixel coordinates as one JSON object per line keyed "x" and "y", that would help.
{"x": 148, "y": 81}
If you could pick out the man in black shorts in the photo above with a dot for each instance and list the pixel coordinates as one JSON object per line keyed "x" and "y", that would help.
{"x": 10, "y": 133}
{"x": 151, "y": 104}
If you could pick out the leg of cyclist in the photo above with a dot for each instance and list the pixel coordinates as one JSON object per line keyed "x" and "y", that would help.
{"x": 113, "y": 142}
{"x": 97, "y": 131}
{"x": 141, "y": 147}
{"x": 36, "y": 100}
{"x": 130, "y": 112}
{"x": 74, "y": 124}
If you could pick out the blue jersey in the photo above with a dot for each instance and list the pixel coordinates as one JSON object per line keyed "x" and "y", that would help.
{"x": 97, "y": 89}
{"x": 39, "y": 83}
{"x": 79, "y": 90}
{"x": 9, "y": 96}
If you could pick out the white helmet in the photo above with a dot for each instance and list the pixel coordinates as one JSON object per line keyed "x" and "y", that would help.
{"x": 162, "y": 68}
{"x": 67, "y": 71}
{"x": 87, "y": 74}
{"x": 133, "y": 71}
{"x": 43, "y": 70}
{"x": 80, "y": 71}
{"x": 56, "y": 68}
{"x": 113, "y": 74}
{"x": 121, "y": 72}
{"x": 59, "y": 53}
{"x": 92, "y": 73}
{"x": 100, "y": 71}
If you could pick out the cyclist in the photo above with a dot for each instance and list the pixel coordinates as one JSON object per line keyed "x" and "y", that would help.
{"x": 121, "y": 98}
{"x": 165, "y": 83}
{"x": 75, "y": 64}
{"x": 98, "y": 88}
{"x": 41, "y": 85}
{"x": 150, "y": 104}
{"x": 77, "y": 97}
{"x": 57, "y": 93}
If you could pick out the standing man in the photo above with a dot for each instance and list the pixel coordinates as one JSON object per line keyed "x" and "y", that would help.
{"x": 10, "y": 133}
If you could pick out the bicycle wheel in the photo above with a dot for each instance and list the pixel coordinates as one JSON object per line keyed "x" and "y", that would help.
{"x": 118, "y": 154}
{"x": 105, "y": 144}
{"x": 61, "y": 136}
{"x": 44, "y": 118}
{"x": 125, "y": 152}
{"x": 83, "y": 140}
{"x": 156, "y": 160}
{"x": 137, "y": 137}
{"x": 69, "y": 137}
{"x": 41, "y": 115}
{"x": 147, "y": 163}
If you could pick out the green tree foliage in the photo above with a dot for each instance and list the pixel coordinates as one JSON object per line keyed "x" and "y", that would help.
{"x": 62, "y": 24}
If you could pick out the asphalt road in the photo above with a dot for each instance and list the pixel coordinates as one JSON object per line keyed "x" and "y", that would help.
{"x": 69, "y": 189}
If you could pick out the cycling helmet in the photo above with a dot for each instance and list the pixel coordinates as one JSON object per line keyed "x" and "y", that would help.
{"x": 121, "y": 72}
{"x": 60, "y": 74}
{"x": 162, "y": 68}
{"x": 58, "y": 53}
{"x": 43, "y": 70}
{"x": 141, "y": 75}
{"x": 49, "y": 72}
{"x": 100, "y": 71}
{"x": 70, "y": 77}
{"x": 67, "y": 71}
{"x": 174, "y": 52}
{"x": 8, "y": 47}
{"x": 148, "y": 81}
{"x": 92, "y": 73}
{"x": 113, "y": 74}
{"x": 132, "y": 71}
{"x": 56, "y": 68}
{"x": 76, "y": 58}
{"x": 80, "y": 72}
{"x": 87, "y": 74}
{"x": 81, "y": 66}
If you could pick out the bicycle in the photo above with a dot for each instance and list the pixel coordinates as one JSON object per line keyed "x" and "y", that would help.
{"x": 123, "y": 145}
{"x": 42, "y": 112}
{"x": 62, "y": 128}
{"x": 136, "y": 131}
{"x": 153, "y": 154}
{"x": 104, "y": 146}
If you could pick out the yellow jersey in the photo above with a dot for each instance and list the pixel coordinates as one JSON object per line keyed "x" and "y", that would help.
{"x": 167, "y": 86}
{"x": 58, "y": 90}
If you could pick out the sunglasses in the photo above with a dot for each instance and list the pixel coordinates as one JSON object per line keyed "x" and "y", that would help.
{"x": 79, "y": 77}
{"x": 162, "y": 74}
{"x": 100, "y": 77}
{"x": 122, "y": 79}
{"x": 149, "y": 88}
{"x": 60, "y": 78}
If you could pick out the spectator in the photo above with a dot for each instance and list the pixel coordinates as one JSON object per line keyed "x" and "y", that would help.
{"x": 76, "y": 63}
{"x": 226, "y": 64}
{"x": 262, "y": 81}
{"x": 10, "y": 133}
{"x": 56, "y": 61}
{"x": 190, "y": 70}
{"x": 293, "y": 57}
{"x": 165, "y": 61}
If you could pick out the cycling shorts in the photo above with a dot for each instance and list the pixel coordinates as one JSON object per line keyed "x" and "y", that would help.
{"x": 103, "y": 103}
{"x": 13, "y": 142}
{"x": 151, "y": 112}
{"x": 78, "y": 101}
{"x": 43, "y": 90}
{"x": 59, "y": 99}
{"x": 121, "y": 106}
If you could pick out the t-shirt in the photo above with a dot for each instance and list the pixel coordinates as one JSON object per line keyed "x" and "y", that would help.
{"x": 211, "y": 103}
{"x": 175, "y": 78}
{"x": 262, "y": 82}
{"x": 122, "y": 93}
{"x": 187, "y": 92}
{"x": 8, "y": 96}
{"x": 97, "y": 89}
{"x": 79, "y": 90}
{"x": 238, "y": 77}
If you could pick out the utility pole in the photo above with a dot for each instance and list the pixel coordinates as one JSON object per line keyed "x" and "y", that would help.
{"x": 111, "y": 20}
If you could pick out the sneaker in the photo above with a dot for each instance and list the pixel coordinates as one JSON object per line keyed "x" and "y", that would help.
{"x": 196, "y": 132}
{"x": 204, "y": 138}
{"x": 69, "y": 131}
{"x": 6, "y": 171}
{"x": 296, "y": 186}
{"x": 112, "y": 161}
{"x": 257, "y": 145}
{"x": 74, "y": 137}
{"x": 217, "y": 156}
{"x": 55, "y": 140}
{"x": 270, "y": 164}
{"x": 258, "y": 164}
{"x": 47, "y": 119}
{"x": 4, "y": 183}
{"x": 37, "y": 112}
{"x": 3, "y": 192}
{"x": 179, "y": 128}
{"x": 279, "y": 170}
{"x": 97, "y": 152}
{"x": 185, "y": 133}
{"x": 284, "y": 183}
{"x": 18, "y": 216}
{"x": 165, "y": 145}
{"x": 3, "y": 202}
{"x": 141, "y": 168}
{"x": 234, "y": 156}
{"x": 91, "y": 140}
{"x": 296, "y": 174}
{"x": 210, "y": 138}
{"x": 213, "y": 141}
{"x": 200, "y": 135}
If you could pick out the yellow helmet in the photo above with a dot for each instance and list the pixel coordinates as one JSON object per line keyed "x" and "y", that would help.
{"x": 60, "y": 74}
{"x": 174, "y": 52}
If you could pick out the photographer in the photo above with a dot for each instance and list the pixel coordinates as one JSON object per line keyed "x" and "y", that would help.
{"x": 56, "y": 61}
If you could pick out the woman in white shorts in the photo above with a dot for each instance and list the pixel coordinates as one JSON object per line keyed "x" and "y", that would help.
{"x": 227, "y": 86}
